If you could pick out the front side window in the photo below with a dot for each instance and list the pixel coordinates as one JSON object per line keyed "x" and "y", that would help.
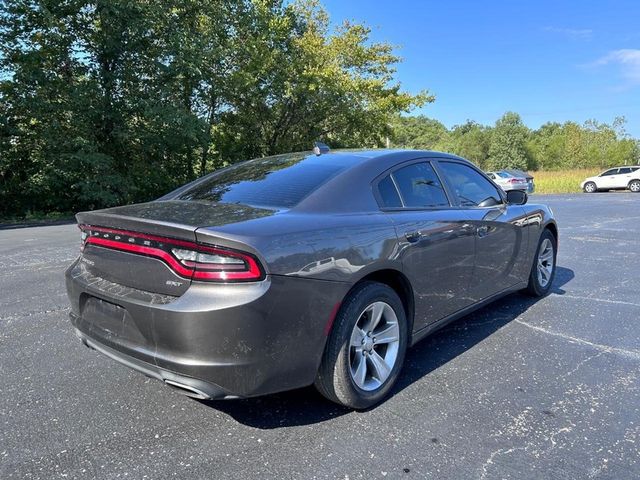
{"x": 420, "y": 186}
{"x": 471, "y": 188}
{"x": 613, "y": 171}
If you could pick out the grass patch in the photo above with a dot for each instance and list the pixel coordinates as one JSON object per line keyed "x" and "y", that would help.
{"x": 37, "y": 217}
{"x": 562, "y": 181}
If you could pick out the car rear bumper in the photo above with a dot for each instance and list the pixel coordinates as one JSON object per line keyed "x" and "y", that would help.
{"x": 189, "y": 386}
{"x": 529, "y": 187}
{"x": 214, "y": 341}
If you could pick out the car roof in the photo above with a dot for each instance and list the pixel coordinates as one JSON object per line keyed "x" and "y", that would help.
{"x": 384, "y": 152}
{"x": 347, "y": 191}
{"x": 364, "y": 153}
{"x": 517, "y": 172}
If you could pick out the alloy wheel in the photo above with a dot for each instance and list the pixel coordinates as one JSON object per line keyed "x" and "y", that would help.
{"x": 545, "y": 262}
{"x": 634, "y": 186}
{"x": 374, "y": 345}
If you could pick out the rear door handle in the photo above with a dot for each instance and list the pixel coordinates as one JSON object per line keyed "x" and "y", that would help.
{"x": 413, "y": 236}
{"x": 482, "y": 231}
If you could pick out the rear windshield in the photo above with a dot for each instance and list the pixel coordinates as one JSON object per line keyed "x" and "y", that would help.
{"x": 273, "y": 182}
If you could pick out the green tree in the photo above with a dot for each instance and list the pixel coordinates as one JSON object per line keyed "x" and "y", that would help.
{"x": 319, "y": 84}
{"x": 418, "y": 132}
{"x": 508, "y": 146}
{"x": 114, "y": 101}
{"x": 546, "y": 146}
{"x": 471, "y": 141}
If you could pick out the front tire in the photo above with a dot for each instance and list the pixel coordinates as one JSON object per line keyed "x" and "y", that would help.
{"x": 365, "y": 351}
{"x": 590, "y": 187}
{"x": 543, "y": 270}
{"x": 634, "y": 186}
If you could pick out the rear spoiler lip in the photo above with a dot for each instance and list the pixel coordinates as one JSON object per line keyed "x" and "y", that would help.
{"x": 138, "y": 224}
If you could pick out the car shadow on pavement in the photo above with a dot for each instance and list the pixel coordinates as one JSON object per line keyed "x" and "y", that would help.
{"x": 306, "y": 406}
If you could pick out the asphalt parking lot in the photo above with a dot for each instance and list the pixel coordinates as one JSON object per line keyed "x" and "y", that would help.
{"x": 521, "y": 389}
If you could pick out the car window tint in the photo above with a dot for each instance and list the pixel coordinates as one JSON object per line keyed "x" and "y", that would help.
{"x": 470, "y": 187}
{"x": 634, "y": 169}
{"x": 420, "y": 186}
{"x": 624, "y": 170}
{"x": 613, "y": 171}
{"x": 274, "y": 182}
{"x": 388, "y": 193}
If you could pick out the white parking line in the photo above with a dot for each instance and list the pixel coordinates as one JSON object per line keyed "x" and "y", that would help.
{"x": 592, "y": 299}
{"x": 632, "y": 354}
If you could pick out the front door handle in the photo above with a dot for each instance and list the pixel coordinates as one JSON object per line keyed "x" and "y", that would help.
{"x": 413, "y": 237}
{"x": 482, "y": 231}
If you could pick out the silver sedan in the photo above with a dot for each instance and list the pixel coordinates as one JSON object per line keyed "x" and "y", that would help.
{"x": 508, "y": 181}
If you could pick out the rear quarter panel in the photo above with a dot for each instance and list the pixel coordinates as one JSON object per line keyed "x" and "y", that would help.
{"x": 337, "y": 247}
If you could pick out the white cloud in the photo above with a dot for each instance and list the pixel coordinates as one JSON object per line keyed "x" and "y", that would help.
{"x": 627, "y": 59}
{"x": 573, "y": 33}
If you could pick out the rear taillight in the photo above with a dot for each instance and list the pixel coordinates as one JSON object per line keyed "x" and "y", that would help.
{"x": 187, "y": 259}
{"x": 83, "y": 238}
{"x": 516, "y": 180}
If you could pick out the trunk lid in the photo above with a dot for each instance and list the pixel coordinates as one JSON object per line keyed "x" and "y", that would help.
{"x": 136, "y": 245}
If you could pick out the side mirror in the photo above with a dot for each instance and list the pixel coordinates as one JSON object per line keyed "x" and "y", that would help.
{"x": 517, "y": 197}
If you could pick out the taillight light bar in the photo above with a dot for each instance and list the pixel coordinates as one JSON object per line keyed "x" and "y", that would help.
{"x": 187, "y": 259}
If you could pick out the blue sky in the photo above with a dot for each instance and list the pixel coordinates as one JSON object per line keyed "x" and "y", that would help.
{"x": 547, "y": 60}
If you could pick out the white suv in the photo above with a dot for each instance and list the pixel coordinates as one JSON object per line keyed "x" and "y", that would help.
{"x": 613, "y": 179}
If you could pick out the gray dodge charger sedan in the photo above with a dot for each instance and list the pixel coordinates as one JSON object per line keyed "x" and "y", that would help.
{"x": 307, "y": 268}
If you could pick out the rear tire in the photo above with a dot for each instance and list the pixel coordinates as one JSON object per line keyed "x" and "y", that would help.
{"x": 634, "y": 186}
{"x": 590, "y": 187}
{"x": 363, "y": 357}
{"x": 543, "y": 270}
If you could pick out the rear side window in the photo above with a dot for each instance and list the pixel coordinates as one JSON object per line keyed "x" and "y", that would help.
{"x": 471, "y": 188}
{"x": 624, "y": 171}
{"x": 273, "y": 182}
{"x": 420, "y": 186}
{"x": 388, "y": 193}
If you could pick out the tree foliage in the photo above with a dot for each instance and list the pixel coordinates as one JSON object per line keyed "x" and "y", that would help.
{"x": 510, "y": 144}
{"x": 111, "y": 101}
{"x": 507, "y": 148}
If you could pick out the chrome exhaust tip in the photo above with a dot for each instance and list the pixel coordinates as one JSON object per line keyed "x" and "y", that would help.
{"x": 187, "y": 390}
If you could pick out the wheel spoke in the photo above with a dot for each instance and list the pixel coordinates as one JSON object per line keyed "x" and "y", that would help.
{"x": 359, "y": 373}
{"x": 356, "y": 337}
{"x": 375, "y": 314}
{"x": 380, "y": 367}
{"x": 545, "y": 275}
{"x": 388, "y": 335}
